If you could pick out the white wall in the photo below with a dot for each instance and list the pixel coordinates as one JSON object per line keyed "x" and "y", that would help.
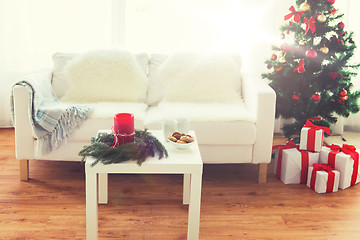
{"x": 31, "y": 31}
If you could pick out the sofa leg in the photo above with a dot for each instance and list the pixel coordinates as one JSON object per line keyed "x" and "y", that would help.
{"x": 24, "y": 169}
{"x": 262, "y": 173}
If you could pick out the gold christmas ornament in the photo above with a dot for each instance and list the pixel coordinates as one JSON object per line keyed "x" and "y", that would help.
{"x": 321, "y": 18}
{"x": 302, "y": 42}
{"x": 305, "y": 6}
{"x": 324, "y": 50}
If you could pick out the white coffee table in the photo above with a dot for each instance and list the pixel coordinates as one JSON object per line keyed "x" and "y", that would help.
{"x": 180, "y": 161}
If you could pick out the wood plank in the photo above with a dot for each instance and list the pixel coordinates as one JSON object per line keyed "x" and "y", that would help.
{"x": 51, "y": 205}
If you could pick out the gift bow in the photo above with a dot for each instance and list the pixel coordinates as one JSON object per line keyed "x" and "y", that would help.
{"x": 294, "y": 13}
{"x": 347, "y": 149}
{"x": 288, "y": 145}
{"x": 310, "y": 23}
{"x": 300, "y": 67}
{"x": 309, "y": 123}
{"x": 323, "y": 167}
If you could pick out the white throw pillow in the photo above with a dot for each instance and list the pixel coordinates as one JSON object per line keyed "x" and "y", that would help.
{"x": 105, "y": 75}
{"x": 193, "y": 77}
{"x": 60, "y": 81}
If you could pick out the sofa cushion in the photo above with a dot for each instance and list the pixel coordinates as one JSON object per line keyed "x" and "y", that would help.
{"x": 60, "y": 81}
{"x": 194, "y": 77}
{"x": 214, "y": 124}
{"x": 105, "y": 75}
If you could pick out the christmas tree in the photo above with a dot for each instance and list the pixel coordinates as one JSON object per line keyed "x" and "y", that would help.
{"x": 310, "y": 71}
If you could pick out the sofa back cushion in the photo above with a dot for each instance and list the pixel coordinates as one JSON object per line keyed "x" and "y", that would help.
{"x": 194, "y": 77}
{"x": 108, "y": 75}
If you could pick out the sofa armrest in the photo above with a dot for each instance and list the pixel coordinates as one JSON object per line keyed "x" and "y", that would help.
{"x": 22, "y": 114}
{"x": 260, "y": 100}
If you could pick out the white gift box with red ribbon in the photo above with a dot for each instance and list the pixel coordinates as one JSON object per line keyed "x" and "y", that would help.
{"x": 348, "y": 167}
{"x": 278, "y": 155}
{"x": 311, "y": 140}
{"x": 322, "y": 178}
{"x": 312, "y": 136}
{"x": 295, "y": 165}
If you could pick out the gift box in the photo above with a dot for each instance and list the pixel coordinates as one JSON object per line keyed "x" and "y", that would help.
{"x": 278, "y": 155}
{"x": 295, "y": 165}
{"x": 322, "y": 178}
{"x": 344, "y": 159}
{"x": 312, "y": 136}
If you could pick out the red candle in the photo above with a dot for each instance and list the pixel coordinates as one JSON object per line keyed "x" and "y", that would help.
{"x": 124, "y": 128}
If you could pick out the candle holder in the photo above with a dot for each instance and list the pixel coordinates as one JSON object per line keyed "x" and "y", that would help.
{"x": 124, "y": 131}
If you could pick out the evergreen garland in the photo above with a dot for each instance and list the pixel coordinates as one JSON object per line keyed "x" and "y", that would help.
{"x": 145, "y": 145}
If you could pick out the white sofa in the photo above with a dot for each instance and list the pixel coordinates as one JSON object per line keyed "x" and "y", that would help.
{"x": 227, "y": 131}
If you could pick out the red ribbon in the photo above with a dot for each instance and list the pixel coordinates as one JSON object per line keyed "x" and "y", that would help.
{"x": 294, "y": 13}
{"x": 331, "y": 179}
{"x": 300, "y": 68}
{"x": 311, "y": 133}
{"x": 304, "y": 165}
{"x": 290, "y": 144}
{"x": 349, "y": 150}
{"x": 333, "y": 75}
{"x": 310, "y": 24}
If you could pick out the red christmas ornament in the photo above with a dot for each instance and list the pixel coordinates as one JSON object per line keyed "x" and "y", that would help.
{"x": 343, "y": 93}
{"x": 341, "y": 101}
{"x": 316, "y": 97}
{"x": 331, "y": 1}
{"x": 311, "y": 53}
{"x": 341, "y": 25}
{"x": 295, "y": 97}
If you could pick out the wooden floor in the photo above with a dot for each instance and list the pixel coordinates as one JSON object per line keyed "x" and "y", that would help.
{"x": 52, "y": 204}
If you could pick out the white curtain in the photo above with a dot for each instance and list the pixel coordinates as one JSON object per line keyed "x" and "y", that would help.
{"x": 31, "y": 31}
{"x": 352, "y": 123}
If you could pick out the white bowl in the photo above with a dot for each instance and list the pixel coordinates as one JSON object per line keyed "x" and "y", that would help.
{"x": 181, "y": 145}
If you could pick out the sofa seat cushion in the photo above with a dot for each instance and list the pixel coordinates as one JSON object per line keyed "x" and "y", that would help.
{"x": 218, "y": 124}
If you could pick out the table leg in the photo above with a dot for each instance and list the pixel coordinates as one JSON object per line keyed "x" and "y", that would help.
{"x": 194, "y": 207}
{"x": 186, "y": 188}
{"x": 103, "y": 188}
{"x": 91, "y": 206}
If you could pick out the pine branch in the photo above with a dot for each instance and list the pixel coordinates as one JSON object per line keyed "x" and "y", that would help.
{"x": 145, "y": 145}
